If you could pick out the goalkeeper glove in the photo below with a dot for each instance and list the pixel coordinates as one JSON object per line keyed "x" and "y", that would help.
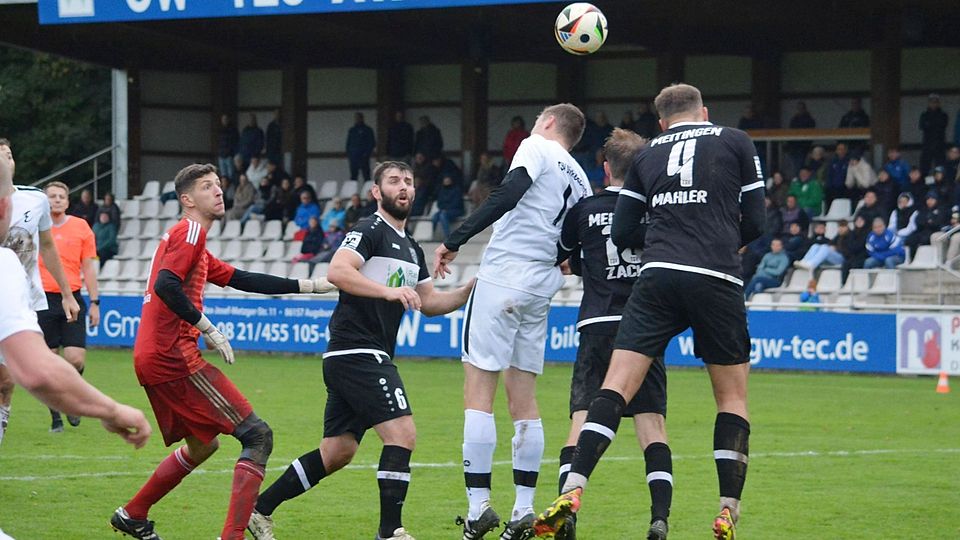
{"x": 316, "y": 286}
{"x": 213, "y": 335}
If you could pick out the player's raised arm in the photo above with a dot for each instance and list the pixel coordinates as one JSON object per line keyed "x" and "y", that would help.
{"x": 752, "y": 211}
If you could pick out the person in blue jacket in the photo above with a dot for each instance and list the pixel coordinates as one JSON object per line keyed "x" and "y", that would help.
{"x": 885, "y": 247}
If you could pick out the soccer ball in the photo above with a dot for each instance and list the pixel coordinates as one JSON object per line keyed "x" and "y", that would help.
{"x": 581, "y": 28}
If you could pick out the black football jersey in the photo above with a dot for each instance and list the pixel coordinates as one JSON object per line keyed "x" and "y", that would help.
{"x": 691, "y": 178}
{"x": 390, "y": 257}
{"x": 608, "y": 272}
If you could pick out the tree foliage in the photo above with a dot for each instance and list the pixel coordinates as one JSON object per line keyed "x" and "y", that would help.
{"x": 53, "y": 110}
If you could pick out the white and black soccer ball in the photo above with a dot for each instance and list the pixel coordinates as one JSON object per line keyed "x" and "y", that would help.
{"x": 581, "y": 28}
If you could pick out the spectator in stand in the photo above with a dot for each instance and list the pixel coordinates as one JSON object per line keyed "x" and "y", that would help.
{"x": 749, "y": 120}
{"x": 360, "y": 145}
{"x": 299, "y": 186}
{"x": 400, "y": 139}
{"x": 797, "y": 150}
{"x": 796, "y": 242}
{"x": 835, "y": 186}
{"x": 860, "y": 177}
{"x": 448, "y": 169}
{"x": 953, "y": 249}
{"x": 85, "y": 208}
{"x": 277, "y": 209}
{"x": 809, "y": 192}
{"x": 257, "y": 170}
{"x": 110, "y": 206}
{"x": 596, "y": 174}
{"x": 903, "y": 220}
{"x": 266, "y": 197}
{"x": 251, "y": 140}
{"x": 275, "y": 173}
{"x": 449, "y": 205}
{"x": 898, "y": 167}
{"x": 312, "y": 241}
{"x": 871, "y": 208}
{"x": 770, "y": 270}
{"x": 885, "y": 191}
{"x": 951, "y": 167}
{"x": 647, "y": 124}
{"x": 428, "y": 139}
{"x": 821, "y": 250}
{"x": 273, "y": 145}
{"x": 354, "y": 212}
{"x": 854, "y": 246}
{"x": 943, "y": 187}
{"x": 426, "y": 178}
{"x": 243, "y": 198}
{"x": 605, "y": 127}
{"x": 229, "y": 191}
{"x": 627, "y": 121}
{"x": 790, "y": 213}
{"x": 308, "y": 209}
{"x": 590, "y": 142}
{"x": 810, "y": 296}
{"x": 884, "y": 247}
{"x": 228, "y": 144}
{"x": 488, "y": 178}
{"x": 511, "y": 142}
{"x": 933, "y": 124}
{"x": 755, "y": 250}
{"x": 331, "y": 243}
{"x": 918, "y": 184}
{"x": 932, "y": 218}
{"x": 856, "y": 117}
{"x": 778, "y": 189}
{"x": 369, "y": 206}
{"x": 106, "y": 235}
{"x": 817, "y": 163}
{"x": 336, "y": 213}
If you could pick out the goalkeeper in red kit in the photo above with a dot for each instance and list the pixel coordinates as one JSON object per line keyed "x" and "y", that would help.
{"x": 191, "y": 399}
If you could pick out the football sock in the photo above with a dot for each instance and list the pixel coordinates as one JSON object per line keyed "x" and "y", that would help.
{"x": 393, "y": 478}
{"x": 305, "y": 472}
{"x": 479, "y": 442}
{"x": 247, "y": 477}
{"x": 603, "y": 419}
{"x": 731, "y": 435}
{"x": 659, "y": 479}
{"x": 167, "y": 476}
{"x": 527, "y": 455}
{"x": 566, "y": 457}
{"x": 4, "y": 419}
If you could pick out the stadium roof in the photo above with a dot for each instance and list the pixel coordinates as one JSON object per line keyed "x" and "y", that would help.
{"x": 513, "y": 32}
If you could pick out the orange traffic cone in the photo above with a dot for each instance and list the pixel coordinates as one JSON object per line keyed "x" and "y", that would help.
{"x": 943, "y": 385}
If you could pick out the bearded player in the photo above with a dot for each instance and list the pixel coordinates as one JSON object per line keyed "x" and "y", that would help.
{"x": 192, "y": 400}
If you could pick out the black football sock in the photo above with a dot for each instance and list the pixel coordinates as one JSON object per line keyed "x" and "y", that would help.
{"x": 603, "y": 419}
{"x": 566, "y": 458}
{"x": 393, "y": 477}
{"x": 659, "y": 479}
{"x": 731, "y": 435}
{"x": 304, "y": 473}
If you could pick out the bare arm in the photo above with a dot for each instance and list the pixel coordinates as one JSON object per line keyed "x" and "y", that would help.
{"x": 51, "y": 259}
{"x": 90, "y": 268}
{"x": 58, "y": 385}
{"x": 345, "y": 274}
{"x": 434, "y": 302}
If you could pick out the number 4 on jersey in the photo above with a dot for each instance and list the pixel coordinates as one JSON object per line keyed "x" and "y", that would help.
{"x": 681, "y": 161}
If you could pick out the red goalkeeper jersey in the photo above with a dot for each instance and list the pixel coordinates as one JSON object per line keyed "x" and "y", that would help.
{"x": 166, "y": 345}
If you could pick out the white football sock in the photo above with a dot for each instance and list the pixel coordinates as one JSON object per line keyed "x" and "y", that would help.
{"x": 479, "y": 442}
{"x": 527, "y": 455}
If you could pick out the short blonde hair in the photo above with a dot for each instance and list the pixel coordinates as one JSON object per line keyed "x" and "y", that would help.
{"x": 570, "y": 121}
{"x": 678, "y": 99}
{"x": 56, "y": 184}
{"x": 620, "y": 150}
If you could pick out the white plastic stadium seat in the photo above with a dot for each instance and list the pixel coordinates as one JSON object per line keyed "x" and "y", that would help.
{"x": 925, "y": 259}
{"x": 171, "y": 209}
{"x": 151, "y": 209}
{"x": 829, "y": 281}
{"x": 328, "y": 190}
{"x": 423, "y": 231}
{"x": 290, "y": 230}
{"x": 148, "y": 249}
{"x": 214, "y": 231}
{"x": 349, "y": 188}
{"x": 168, "y": 186}
{"x": 278, "y": 268}
{"x": 167, "y": 224}
{"x": 130, "y": 208}
{"x": 109, "y": 287}
{"x": 367, "y": 186}
{"x": 151, "y": 229}
{"x": 134, "y": 271}
{"x": 231, "y": 230}
{"x": 151, "y": 190}
{"x": 253, "y": 251}
{"x": 761, "y": 298}
{"x": 839, "y": 209}
{"x": 232, "y": 251}
{"x": 252, "y": 230}
{"x": 259, "y": 267}
{"x": 798, "y": 281}
{"x": 272, "y": 230}
{"x": 293, "y": 249}
{"x": 320, "y": 270}
{"x": 110, "y": 270}
{"x": 788, "y": 298}
{"x": 469, "y": 272}
{"x": 885, "y": 282}
{"x": 857, "y": 282}
{"x": 832, "y": 228}
{"x": 214, "y": 246}
{"x": 275, "y": 251}
{"x": 129, "y": 249}
{"x": 129, "y": 228}
{"x": 299, "y": 271}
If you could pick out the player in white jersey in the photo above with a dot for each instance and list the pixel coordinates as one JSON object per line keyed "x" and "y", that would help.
{"x": 505, "y": 325}
{"x": 29, "y": 236}
{"x": 31, "y": 364}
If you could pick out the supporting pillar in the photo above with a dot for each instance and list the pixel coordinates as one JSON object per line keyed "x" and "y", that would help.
{"x": 120, "y": 134}
{"x": 885, "y": 88}
{"x": 765, "y": 87}
{"x": 389, "y": 101}
{"x": 475, "y": 80}
{"x": 670, "y": 68}
{"x": 134, "y": 181}
{"x": 293, "y": 117}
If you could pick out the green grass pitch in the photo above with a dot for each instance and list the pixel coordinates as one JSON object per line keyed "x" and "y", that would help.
{"x": 832, "y": 456}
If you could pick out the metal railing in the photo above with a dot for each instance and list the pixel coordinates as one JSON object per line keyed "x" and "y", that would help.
{"x": 98, "y": 173}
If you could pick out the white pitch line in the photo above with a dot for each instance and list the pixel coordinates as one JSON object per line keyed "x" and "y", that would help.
{"x": 451, "y": 464}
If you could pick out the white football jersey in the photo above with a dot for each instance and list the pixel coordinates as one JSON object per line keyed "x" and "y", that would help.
{"x": 522, "y": 253}
{"x": 18, "y": 315}
{"x": 31, "y": 214}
